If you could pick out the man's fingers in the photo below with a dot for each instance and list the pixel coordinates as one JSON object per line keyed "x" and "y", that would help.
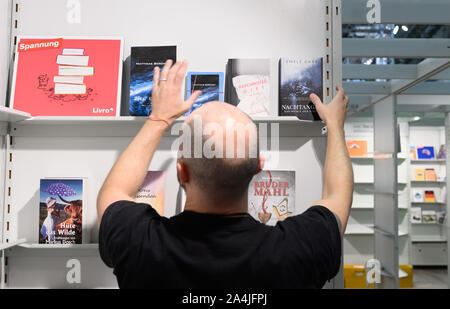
{"x": 315, "y": 99}
{"x": 181, "y": 73}
{"x": 166, "y": 68}
{"x": 156, "y": 74}
{"x": 194, "y": 96}
{"x": 341, "y": 92}
{"x": 173, "y": 72}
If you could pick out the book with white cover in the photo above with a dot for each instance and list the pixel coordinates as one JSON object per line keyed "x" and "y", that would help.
{"x": 417, "y": 196}
{"x": 416, "y": 215}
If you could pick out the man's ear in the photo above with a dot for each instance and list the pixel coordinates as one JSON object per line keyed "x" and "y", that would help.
{"x": 182, "y": 172}
{"x": 260, "y": 164}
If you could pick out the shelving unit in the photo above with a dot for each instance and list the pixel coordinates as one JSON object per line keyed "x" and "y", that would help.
{"x": 359, "y": 235}
{"x": 37, "y": 147}
{"x": 429, "y": 240}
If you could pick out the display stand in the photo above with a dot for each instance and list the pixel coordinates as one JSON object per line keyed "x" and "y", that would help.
{"x": 87, "y": 147}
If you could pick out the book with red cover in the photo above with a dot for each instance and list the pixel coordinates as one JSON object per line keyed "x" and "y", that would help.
{"x": 67, "y": 76}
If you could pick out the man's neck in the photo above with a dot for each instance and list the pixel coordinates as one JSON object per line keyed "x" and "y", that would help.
{"x": 207, "y": 206}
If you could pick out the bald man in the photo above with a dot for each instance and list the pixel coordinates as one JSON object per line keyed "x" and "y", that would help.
{"x": 214, "y": 242}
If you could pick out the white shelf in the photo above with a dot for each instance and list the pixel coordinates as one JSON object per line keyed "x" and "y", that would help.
{"x": 426, "y": 161}
{"x": 59, "y": 246}
{"x": 128, "y": 126}
{"x": 11, "y": 244}
{"x": 427, "y": 182}
{"x": 132, "y": 119}
{"x": 370, "y": 158}
{"x": 427, "y": 203}
{"x": 359, "y": 229}
{"x": 12, "y": 115}
{"x": 429, "y": 238}
{"x": 372, "y": 207}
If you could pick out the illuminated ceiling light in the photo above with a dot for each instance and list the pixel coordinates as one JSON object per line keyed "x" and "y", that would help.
{"x": 404, "y": 28}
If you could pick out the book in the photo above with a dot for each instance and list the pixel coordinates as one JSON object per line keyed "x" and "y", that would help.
{"x": 430, "y": 197}
{"x": 429, "y": 216}
{"x": 152, "y": 190}
{"x": 357, "y": 148}
{"x": 419, "y": 174}
{"x": 441, "y": 153}
{"x": 430, "y": 174}
{"x": 416, "y": 215}
{"x": 425, "y": 152}
{"x": 442, "y": 216}
{"x": 417, "y": 196}
{"x": 211, "y": 85}
{"x": 67, "y": 76}
{"x": 271, "y": 196}
{"x": 143, "y": 61}
{"x": 298, "y": 78}
{"x": 247, "y": 85}
{"x": 61, "y": 211}
{"x": 412, "y": 153}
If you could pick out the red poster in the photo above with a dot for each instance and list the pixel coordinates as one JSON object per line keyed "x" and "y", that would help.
{"x": 68, "y": 76}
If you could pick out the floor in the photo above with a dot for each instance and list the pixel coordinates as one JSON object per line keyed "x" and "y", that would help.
{"x": 430, "y": 278}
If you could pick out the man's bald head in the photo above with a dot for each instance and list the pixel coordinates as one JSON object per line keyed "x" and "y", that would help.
{"x": 227, "y": 157}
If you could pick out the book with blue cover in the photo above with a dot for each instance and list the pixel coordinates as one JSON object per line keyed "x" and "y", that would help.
{"x": 143, "y": 60}
{"x": 425, "y": 152}
{"x": 211, "y": 85}
{"x": 298, "y": 78}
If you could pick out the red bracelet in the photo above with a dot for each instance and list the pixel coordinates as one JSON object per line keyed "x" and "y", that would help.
{"x": 158, "y": 119}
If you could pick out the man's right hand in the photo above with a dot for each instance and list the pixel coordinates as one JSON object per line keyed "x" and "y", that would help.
{"x": 334, "y": 113}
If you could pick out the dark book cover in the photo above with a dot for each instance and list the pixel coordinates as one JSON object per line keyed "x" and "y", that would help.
{"x": 298, "y": 78}
{"x": 211, "y": 85}
{"x": 247, "y": 85}
{"x": 143, "y": 60}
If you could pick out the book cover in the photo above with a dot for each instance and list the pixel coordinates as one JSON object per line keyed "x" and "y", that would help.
{"x": 425, "y": 152}
{"x": 430, "y": 197}
{"x": 271, "y": 196}
{"x": 152, "y": 190}
{"x": 441, "y": 153}
{"x": 67, "y": 76}
{"x": 247, "y": 85}
{"x": 357, "y": 148}
{"x": 417, "y": 196}
{"x": 430, "y": 174}
{"x": 143, "y": 60}
{"x": 412, "y": 153}
{"x": 442, "y": 216}
{"x": 419, "y": 174}
{"x": 429, "y": 216}
{"x": 211, "y": 85}
{"x": 61, "y": 211}
{"x": 298, "y": 78}
{"x": 416, "y": 215}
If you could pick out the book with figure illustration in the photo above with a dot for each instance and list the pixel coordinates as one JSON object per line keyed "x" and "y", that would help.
{"x": 152, "y": 190}
{"x": 143, "y": 61}
{"x": 271, "y": 196}
{"x": 61, "y": 211}
{"x": 298, "y": 78}
{"x": 211, "y": 85}
{"x": 67, "y": 76}
{"x": 247, "y": 85}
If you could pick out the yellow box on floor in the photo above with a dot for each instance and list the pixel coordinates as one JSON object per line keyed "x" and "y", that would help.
{"x": 355, "y": 277}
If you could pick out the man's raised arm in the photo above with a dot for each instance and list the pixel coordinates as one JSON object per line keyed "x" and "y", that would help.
{"x": 128, "y": 173}
{"x": 337, "y": 193}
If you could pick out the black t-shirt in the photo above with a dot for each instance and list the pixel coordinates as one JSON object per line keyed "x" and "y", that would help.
{"x": 193, "y": 250}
